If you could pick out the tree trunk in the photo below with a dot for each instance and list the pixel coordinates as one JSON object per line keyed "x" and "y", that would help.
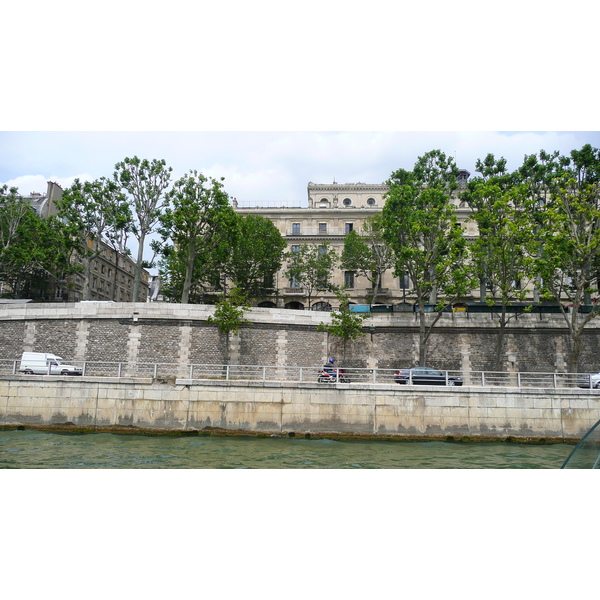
{"x": 422, "y": 334}
{"x": 138, "y": 267}
{"x": 85, "y": 292}
{"x": 189, "y": 269}
{"x": 500, "y": 344}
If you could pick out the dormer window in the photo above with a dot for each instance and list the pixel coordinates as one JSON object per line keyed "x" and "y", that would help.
{"x": 371, "y": 201}
{"x": 347, "y": 202}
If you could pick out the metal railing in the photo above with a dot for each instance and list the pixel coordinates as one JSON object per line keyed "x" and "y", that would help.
{"x": 300, "y": 374}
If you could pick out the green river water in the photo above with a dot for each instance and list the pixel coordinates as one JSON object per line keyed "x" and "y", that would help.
{"x": 29, "y": 449}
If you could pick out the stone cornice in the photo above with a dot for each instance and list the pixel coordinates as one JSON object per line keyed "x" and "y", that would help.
{"x": 350, "y": 187}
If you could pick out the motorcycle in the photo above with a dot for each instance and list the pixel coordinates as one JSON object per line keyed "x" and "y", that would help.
{"x": 332, "y": 376}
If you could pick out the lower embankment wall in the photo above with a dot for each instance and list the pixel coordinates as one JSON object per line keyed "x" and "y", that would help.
{"x": 424, "y": 412}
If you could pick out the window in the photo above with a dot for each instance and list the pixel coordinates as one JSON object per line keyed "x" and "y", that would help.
{"x": 348, "y": 279}
{"x": 349, "y": 227}
{"x": 295, "y": 248}
{"x": 295, "y": 228}
{"x": 347, "y": 202}
{"x": 269, "y": 281}
{"x": 322, "y": 227}
{"x": 371, "y": 201}
{"x": 322, "y": 250}
{"x": 94, "y": 282}
{"x": 58, "y": 294}
{"x": 102, "y": 269}
{"x": 375, "y": 279}
{"x": 294, "y": 283}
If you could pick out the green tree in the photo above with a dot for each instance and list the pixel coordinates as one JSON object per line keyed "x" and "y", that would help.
{"x": 345, "y": 324}
{"x": 146, "y": 182}
{"x": 310, "y": 268}
{"x": 96, "y": 212}
{"x": 421, "y": 227}
{"x": 366, "y": 254}
{"x": 195, "y": 229}
{"x": 34, "y": 252}
{"x": 503, "y": 254}
{"x": 255, "y": 255}
{"x": 229, "y": 317}
{"x": 570, "y": 242}
{"x": 540, "y": 174}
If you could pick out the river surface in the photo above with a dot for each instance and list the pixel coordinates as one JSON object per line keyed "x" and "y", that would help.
{"x": 42, "y": 450}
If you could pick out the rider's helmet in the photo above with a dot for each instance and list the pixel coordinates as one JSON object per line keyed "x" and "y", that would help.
{"x": 331, "y": 361}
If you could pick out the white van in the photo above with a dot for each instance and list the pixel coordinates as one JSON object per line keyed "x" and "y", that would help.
{"x": 42, "y": 363}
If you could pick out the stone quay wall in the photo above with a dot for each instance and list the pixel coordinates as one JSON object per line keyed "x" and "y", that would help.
{"x": 303, "y": 409}
{"x": 175, "y": 333}
{"x": 172, "y": 333}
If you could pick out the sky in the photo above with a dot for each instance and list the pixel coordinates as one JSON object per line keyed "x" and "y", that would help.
{"x": 269, "y": 168}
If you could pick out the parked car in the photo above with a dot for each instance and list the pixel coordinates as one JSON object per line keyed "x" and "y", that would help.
{"x": 584, "y": 381}
{"x": 426, "y": 376}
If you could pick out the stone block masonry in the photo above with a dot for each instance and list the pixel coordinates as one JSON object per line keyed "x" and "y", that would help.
{"x": 180, "y": 334}
{"x": 378, "y": 411}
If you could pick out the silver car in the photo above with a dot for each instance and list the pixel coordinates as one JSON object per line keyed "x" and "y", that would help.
{"x": 584, "y": 381}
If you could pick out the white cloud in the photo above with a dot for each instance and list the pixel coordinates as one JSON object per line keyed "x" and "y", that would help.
{"x": 261, "y": 167}
{"x": 28, "y": 184}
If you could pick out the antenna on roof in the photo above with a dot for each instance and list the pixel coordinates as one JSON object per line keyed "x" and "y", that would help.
{"x": 334, "y": 181}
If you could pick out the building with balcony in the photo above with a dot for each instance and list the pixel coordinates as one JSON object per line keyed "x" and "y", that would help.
{"x": 333, "y": 211}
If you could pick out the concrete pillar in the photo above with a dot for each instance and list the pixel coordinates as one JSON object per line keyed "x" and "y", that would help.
{"x": 29, "y": 337}
{"x": 133, "y": 344}
{"x": 83, "y": 328}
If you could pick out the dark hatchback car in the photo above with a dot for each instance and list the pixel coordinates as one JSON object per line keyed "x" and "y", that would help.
{"x": 426, "y": 376}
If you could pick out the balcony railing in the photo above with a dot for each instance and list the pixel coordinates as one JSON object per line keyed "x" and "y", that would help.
{"x": 315, "y": 231}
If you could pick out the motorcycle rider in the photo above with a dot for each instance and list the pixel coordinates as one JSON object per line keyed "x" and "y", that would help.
{"x": 328, "y": 366}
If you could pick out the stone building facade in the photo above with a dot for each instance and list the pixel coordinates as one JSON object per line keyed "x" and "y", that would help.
{"x": 333, "y": 211}
{"x": 112, "y": 273}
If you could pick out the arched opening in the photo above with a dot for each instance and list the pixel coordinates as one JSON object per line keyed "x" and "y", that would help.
{"x": 324, "y": 306}
{"x": 267, "y": 304}
{"x": 295, "y": 305}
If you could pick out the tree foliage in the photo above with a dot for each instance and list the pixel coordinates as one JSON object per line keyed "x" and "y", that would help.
{"x": 310, "y": 268}
{"x": 503, "y": 254}
{"x": 96, "y": 212}
{"x": 569, "y": 233}
{"x": 229, "y": 312}
{"x": 255, "y": 256}
{"x": 146, "y": 183}
{"x": 345, "y": 324}
{"x": 196, "y": 229}
{"x": 34, "y": 252}
{"x": 366, "y": 254}
{"x": 421, "y": 227}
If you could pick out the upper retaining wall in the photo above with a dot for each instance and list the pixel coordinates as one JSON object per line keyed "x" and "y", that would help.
{"x": 160, "y": 332}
